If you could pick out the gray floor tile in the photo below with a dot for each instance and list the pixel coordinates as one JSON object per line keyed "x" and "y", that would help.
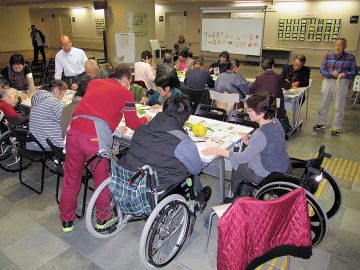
{"x": 18, "y": 192}
{"x": 15, "y": 226}
{"x": 70, "y": 259}
{"x": 6, "y": 263}
{"x": 341, "y": 264}
{"x": 35, "y": 250}
{"x": 320, "y": 260}
{"x": 351, "y": 221}
{"x": 5, "y": 207}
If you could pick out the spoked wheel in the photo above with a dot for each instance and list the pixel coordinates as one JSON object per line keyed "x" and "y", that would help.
{"x": 331, "y": 192}
{"x": 9, "y": 158}
{"x": 103, "y": 221}
{"x": 318, "y": 218}
{"x": 165, "y": 232}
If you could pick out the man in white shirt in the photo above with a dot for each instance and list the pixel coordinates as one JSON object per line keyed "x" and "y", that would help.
{"x": 69, "y": 63}
{"x": 144, "y": 71}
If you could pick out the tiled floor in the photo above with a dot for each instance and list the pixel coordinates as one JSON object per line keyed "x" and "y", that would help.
{"x": 31, "y": 236}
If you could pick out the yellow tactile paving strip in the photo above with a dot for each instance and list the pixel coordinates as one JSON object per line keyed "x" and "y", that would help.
{"x": 280, "y": 263}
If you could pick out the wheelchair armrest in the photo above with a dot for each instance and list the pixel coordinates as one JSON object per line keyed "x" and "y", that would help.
{"x": 298, "y": 163}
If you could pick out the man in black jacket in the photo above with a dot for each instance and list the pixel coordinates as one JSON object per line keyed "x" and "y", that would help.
{"x": 38, "y": 42}
{"x": 297, "y": 74}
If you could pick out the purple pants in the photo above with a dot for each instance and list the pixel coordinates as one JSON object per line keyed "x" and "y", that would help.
{"x": 79, "y": 147}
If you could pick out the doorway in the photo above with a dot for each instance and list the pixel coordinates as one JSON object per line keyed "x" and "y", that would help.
{"x": 176, "y": 24}
{"x": 65, "y": 25}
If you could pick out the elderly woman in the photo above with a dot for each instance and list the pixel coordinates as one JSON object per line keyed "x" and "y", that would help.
{"x": 184, "y": 61}
{"x": 7, "y": 103}
{"x": 45, "y": 113}
{"x": 265, "y": 151}
{"x": 19, "y": 74}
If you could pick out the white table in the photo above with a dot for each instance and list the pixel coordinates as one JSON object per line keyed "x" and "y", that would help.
{"x": 224, "y": 135}
{"x": 293, "y": 100}
{"x": 67, "y": 99}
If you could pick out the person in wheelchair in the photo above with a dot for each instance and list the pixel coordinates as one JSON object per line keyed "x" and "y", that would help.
{"x": 166, "y": 147}
{"x": 265, "y": 151}
{"x": 7, "y": 103}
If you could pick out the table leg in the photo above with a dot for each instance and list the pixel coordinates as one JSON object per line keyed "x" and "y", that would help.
{"x": 221, "y": 168}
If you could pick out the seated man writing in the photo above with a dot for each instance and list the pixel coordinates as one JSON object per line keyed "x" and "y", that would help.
{"x": 166, "y": 88}
{"x": 166, "y": 147}
{"x": 266, "y": 150}
{"x": 7, "y": 103}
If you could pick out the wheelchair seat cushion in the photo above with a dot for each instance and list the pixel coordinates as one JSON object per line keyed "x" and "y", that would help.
{"x": 133, "y": 199}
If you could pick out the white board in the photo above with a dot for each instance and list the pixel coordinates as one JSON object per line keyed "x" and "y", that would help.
{"x": 240, "y": 36}
{"x": 125, "y": 46}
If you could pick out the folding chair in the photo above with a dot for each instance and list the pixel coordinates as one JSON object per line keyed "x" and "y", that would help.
{"x": 210, "y": 112}
{"x": 104, "y": 63}
{"x": 25, "y": 136}
{"x": 196, "y": 96}
{"x": 224, "y": 100}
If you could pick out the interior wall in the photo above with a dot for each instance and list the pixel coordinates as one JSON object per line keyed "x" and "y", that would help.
{"x": 315, "y": 9}
{"x": 82, "y": 22}
{"x": 15, "y": 29}
{"x": 119, "y": 19}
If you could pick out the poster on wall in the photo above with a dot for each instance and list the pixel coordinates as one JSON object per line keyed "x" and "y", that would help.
{"x": 125, "y": 46}
{"x": 281, "y": 28}
{"x": 302, "y": 32}
{"x": 336, "y": 30}
{"x": 295, "y": 30}
{"x": 288, "y": 27}
{"x": 310, "y": 36}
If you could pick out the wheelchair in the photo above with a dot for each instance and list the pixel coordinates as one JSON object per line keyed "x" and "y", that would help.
{"x": 170, "y": 219}
{"x": 9, "y": 157}
{"x": 310, "y": 175}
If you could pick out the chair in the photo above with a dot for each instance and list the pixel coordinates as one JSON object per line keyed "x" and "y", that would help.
{"x": 59, "y": 159}
{"x": 224, "y": 100}
{"x": 356, "y": 88}
{"x": 196, "y": 96}
{"x": 104, "y": 63}
{"x": 50, "y": 70}
{"x": 141, "y": 83}
{"x": 252, "y": 231}
{"x": 237, "y": 117}
{"x": 93, "y": 57}
{"x": 38, "y": 72}
{"x": 210, "y": 112}
{"x": 25, "y": 136}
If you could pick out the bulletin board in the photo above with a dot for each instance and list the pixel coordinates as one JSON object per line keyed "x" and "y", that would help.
{"x": 240, "y": 36}
{"x": 309, "y": 29}
{"x": 125, "y": 46}
{"x": 100, "y": 26}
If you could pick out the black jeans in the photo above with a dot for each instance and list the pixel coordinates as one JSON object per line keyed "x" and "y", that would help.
{"x": 36, "y": 53}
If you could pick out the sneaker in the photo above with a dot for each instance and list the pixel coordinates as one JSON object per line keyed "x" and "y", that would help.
{"x": 104, "y": 224}
{"x": 319, "y": 126}
{"x": 67, "y": 226}
{"x": 335, "y": 132}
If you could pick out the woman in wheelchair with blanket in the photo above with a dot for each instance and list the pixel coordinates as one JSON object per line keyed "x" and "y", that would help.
{"x": 166, "y": 147}
{"x": 265, "y": 151}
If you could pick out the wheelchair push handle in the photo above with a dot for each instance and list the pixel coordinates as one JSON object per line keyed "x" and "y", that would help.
{"x": 140, "y": 173}
{"x": 100, "y": 154}
{"x": 322, "y": 152}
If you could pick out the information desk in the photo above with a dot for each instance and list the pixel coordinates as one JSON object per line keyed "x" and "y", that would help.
{"x": 219, "y": 134}
{"x": 67, "y": 99}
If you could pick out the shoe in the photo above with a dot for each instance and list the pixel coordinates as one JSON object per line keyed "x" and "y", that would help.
{"x": 207, "y": 193}
{"x": 203, "y": 197}
{"x": 319, "y": 126}
{"x": 67, "y": 226}
{"x": 335, "y": 132}
{"x": 104, "y": 224}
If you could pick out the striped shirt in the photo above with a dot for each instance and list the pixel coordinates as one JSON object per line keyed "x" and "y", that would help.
{"x": 232, "y": 83}
{"x": 45, "y": 117}
{"x": 344, "y": 63}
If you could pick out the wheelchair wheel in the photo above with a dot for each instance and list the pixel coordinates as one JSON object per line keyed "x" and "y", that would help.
{"x": 332, "y": 193}
{"x": 165, "y": 232}
{"x": 318, "y": 218}
{"x": 112, "y": 214}
{"x": 9, "y": 159}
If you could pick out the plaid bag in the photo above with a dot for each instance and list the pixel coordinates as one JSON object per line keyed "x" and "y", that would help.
{"x": 134, "y": 199}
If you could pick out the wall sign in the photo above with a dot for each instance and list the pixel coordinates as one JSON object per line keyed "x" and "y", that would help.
{"x": 354, "y": 19}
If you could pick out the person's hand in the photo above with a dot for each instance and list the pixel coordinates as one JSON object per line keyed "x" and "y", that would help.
{"x": 335, "y": 74}
{"x": 144, "y": 101}
{"x": 74, "y": 86}
{"x": 157, "y": 107}
{"x": 123, "y": 129}
{"x": 245, "y": 138}
{"x": 211, "y": 69}
{"x": 294, "y": 85}
{"x": 177, "y": 67}
{"x": 148, "y": 118}
{"x": 342, "y": 75}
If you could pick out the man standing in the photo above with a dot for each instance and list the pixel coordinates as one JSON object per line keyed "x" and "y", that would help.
{"x": 38, "y": 42}
{"x": 69, "y": 62}
{"x": 337, "y": 68}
